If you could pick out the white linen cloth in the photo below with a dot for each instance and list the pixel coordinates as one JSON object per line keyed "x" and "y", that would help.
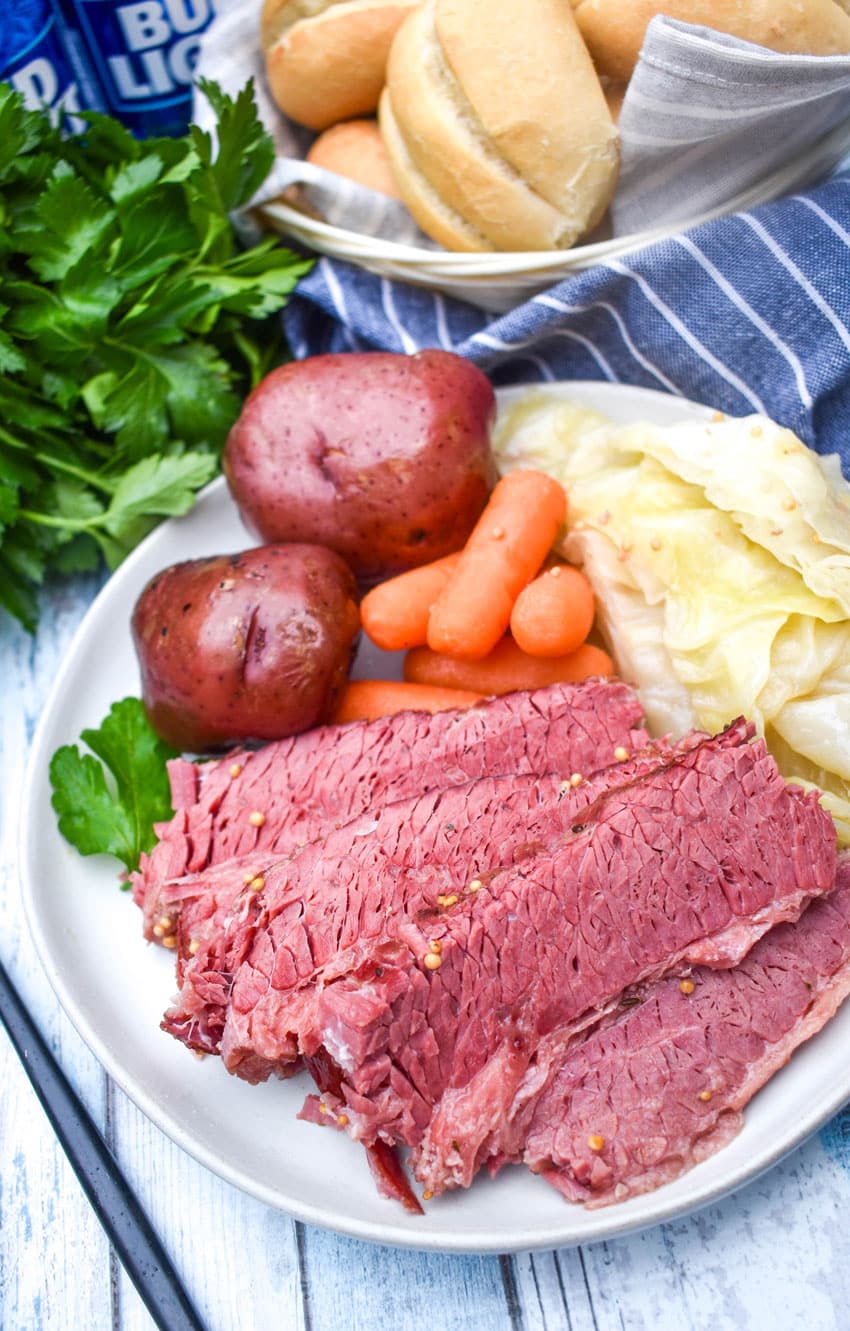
{"x": 706, "y": 116}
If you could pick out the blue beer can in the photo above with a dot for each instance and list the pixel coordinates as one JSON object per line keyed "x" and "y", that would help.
{"x": 143, "y": 55}
{"x": 35, "y": 61}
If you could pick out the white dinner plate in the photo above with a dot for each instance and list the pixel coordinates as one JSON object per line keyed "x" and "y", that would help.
{"x": 115, "y": 987}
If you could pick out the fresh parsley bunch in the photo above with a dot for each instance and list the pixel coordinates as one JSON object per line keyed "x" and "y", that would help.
{"x": 126, "y": 345}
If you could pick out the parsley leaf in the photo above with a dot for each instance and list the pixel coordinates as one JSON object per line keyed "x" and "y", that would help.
{"x": 156, "y": 487}
{"x": 245, "y": 151}
{"x": 110, "y": 806}
{"x": 71, "y": 221}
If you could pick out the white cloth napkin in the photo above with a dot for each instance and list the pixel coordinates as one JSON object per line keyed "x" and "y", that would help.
{"x": 705, "y": 117}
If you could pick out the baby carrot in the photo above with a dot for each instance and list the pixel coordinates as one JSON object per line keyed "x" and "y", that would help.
{"x": 395, "y": 613}
{"x": 506, "y": 669}
{"x": 368, "y": 699}
{"x": 506, "y": 548}
{"x": 553, "y": 615}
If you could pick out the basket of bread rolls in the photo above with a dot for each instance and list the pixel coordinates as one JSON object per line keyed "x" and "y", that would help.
{"x": 493, "y": 126}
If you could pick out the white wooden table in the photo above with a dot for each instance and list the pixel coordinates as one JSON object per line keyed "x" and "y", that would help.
{"x": 776, "y": 1255}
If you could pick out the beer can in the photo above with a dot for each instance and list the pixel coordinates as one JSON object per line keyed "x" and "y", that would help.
{"x": 35, "y": 61}
{"x": 142, "y": 54}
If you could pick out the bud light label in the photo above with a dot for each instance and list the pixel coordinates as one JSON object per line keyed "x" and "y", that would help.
{"x": 144, "y": 53}
{"x": 34, "y": 61}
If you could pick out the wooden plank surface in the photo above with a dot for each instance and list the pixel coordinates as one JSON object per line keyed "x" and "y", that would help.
{"x": 776, "y": 1255}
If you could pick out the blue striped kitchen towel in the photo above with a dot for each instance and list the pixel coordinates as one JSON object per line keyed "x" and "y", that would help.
{"x": 750, "y": 312}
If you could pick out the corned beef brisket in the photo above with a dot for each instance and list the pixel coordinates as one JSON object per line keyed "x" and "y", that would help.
{"x": 444, "y": 1036}
{"x": 315, "y": 912}
{"x": 308, "y": 784}
{"x": 508, "y": 967}
{"x": 642, "y": 1100}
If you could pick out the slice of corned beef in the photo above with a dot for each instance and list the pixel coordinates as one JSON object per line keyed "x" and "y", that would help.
{"x": 447, "y": 1034}
{"x": 642, "y": 1101}
{"x": 298, "y": 788}
{"x": 305, "y": 919}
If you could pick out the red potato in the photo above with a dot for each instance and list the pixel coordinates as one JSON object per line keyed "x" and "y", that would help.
{"x": 246, "y": 647}
{"x": 384, "y": 458}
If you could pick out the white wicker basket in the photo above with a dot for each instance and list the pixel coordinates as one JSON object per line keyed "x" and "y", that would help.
{"x": 497, "y": 282}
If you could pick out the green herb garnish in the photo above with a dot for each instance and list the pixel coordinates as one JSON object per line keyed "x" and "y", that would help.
{"x": 113, "y": 814}
{"x": 125, "y": 309}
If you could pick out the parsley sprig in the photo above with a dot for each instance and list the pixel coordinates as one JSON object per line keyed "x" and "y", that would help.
{"x": 108, "y": 804}
{"x": 126, "y": 338}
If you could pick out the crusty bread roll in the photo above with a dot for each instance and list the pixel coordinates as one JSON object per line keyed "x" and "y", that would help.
{"x": 614, "y": 29}
{"x": 326, "y": 59}
{"x": 356, "y": 150}
{"x": 436, "y": 218}
{"x": 278, "y": 15}
{"x": 496, "y": 125}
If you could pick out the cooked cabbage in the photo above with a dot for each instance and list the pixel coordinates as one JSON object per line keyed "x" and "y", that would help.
{"x": 719, "y": 552}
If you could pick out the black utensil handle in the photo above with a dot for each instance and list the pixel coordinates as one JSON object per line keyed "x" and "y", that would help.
{"x": 114, "y": 1203}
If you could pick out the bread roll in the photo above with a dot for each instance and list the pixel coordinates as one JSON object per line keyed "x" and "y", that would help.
{"x": 448, "y": 151}
{"x": 355, "y": 149}
{"x": 436, "y": 218}
{"x": 614, "y": 29}
{"x": 496, "y": 125}
{"x": 278, "y": 15}
{"x": 326, "y": 59}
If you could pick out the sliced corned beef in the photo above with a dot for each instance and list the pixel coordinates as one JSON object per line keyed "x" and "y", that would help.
{"x": 638, "y": 1103}
{"x": 444, "y": 1036}
{"x": 315, "y": 913}
{"x": 306, "y": 785}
